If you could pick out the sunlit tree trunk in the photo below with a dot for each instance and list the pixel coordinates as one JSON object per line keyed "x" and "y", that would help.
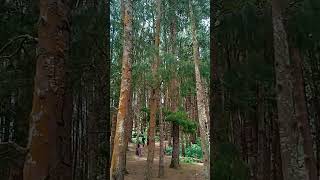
{"x": 154, "y": 97}
{"x": 202, "y": 116}
{"x": 117, "y": 161}
{"x": 128, "y": 126}
{"x": 49, "y": 156}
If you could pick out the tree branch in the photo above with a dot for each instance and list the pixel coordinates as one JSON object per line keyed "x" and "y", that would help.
{"x": 25, "y": 38}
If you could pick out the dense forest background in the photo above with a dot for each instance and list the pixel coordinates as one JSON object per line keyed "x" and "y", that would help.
{"x": 262, "y": 92}
{"x": 160, "y": 85}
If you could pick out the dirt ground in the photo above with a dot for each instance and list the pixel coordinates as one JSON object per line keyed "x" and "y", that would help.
{"x": 136, "y": 167}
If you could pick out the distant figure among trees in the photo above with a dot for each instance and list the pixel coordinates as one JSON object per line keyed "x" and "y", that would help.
{"x": 139, "y": 150}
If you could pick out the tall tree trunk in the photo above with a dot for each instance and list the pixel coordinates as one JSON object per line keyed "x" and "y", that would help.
{"x": 287, "y": 123}
{"x": 50, "y": 127}
{"x": 117, "y": 161}
{"x": 138, "y": 111}
{"x": 216, "y": 96}
{"x": 173, "y": 88}
{"x": 161, "y": 152}
{"x": 204, "y": 134}
{"x": 154, "y": 98}
{"x": 302, "y": 115}
{"x": 128, "y": 126}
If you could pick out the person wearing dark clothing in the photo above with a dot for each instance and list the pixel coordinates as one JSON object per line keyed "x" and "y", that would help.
{"x": 139, "y": 150}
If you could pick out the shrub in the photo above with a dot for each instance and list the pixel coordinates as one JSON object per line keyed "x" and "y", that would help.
{"x": 168, "y": 150}
{"x": 194, "y": 151}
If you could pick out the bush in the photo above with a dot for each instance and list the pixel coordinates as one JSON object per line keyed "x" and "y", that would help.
{"x": 168, "y": 150}
{"x": 191, "y": 152}
{"x": 194, "y": 151}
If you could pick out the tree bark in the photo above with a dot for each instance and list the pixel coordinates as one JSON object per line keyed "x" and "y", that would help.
{"x": 50, "y": 126}
{"x": 117, "y": 161}
{"x": 204, "y": 134}
{"x": 302, "y": 115}
{"x": 154, "y": 98}
{"x": 175, "y": 149}
{"x": 161, "y": 153}
{"x": 287, "y": 123}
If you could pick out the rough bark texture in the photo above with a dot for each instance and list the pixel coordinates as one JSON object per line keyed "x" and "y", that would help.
{"x": 117, "y": 161}
{"x": 216, "y": 96}
{"x": 154, "y": 98}
{"x": 175, "y": 149}
{"x": 49, "y": 135}
{"x": 302, "y": 115}
{"x": 287, "y": 123}
{"x": 173, "y": 88}
{"x": 204, "y": 133}
{"x": 276, "y": 151}
{"x": 128, "y": 126}
{"x": 93, "y": 141}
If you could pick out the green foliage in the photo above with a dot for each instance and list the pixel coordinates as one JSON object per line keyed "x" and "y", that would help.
{"x": 168, "y": 150}
{"x": 147, "y": 112}
{"x": 188, "y": 160}
{"x": 194, "y": 151}
{"x": 181, "y": 118}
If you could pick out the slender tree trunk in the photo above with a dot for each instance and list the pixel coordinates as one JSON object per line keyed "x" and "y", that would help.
{"x": 161, "y": 152}
{"x": 117, "y": 161}
{"x": 173, "y": 88}
{"x": 287, "y": 124}
{"x": 154, "y": 98}
{"x": 204, "y": 134}
{"x": 183, "y": 144}
{"x": 50, "y": 127}
{"x": 138, "y": 111}
{"x": 302, "y": 115}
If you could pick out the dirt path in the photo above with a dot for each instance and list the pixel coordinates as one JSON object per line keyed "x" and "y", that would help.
{"x": 136, "y": 167}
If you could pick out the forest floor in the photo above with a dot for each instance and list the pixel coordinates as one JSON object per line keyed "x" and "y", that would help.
{"x": 136, "y": 166}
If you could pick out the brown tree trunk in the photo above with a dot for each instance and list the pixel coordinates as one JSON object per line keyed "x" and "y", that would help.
{"x": 216, "y": 96}
{"x": 50, "y": 126}
{"x": 128, "y": 126}
{"x": 117, "y": 161}
{"x": 154, "y": 98}
{"x": 113, "y": 130}
{"x": 302, "y": 115}
{"x": 276, "y": 151}
{"x": 175, "y": 149}
{"x": 287, "y": 123}
{"x": 93, "y": 137}
{"x": 204, "y": 134}
{"x": 173, "y": 88}
{"x": 161, "y": 152}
